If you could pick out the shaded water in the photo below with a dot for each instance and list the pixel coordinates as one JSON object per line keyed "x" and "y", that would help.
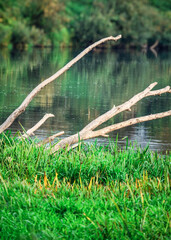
{"x": 91, "y": 87}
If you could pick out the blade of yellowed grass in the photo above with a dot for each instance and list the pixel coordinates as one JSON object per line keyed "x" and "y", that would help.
{"x": 158, "y": 185}
{"x": 142, "y": 198}
{"x": 130, "y": 187}
{"x": 45, "y": 180}
{"x": 55, "y": 180}
{"x": 39, "y": 184}
{"x": 80, "y": 182}
{"x": 90, "y": 184}
{"x": 35, "y": 179}
{"x": 90, "y": 220}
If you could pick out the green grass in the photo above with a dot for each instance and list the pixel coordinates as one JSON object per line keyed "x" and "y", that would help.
{"x": 93, "y": 192}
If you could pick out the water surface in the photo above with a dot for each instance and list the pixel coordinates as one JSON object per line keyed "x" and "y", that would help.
{"x": 91, "y": 87}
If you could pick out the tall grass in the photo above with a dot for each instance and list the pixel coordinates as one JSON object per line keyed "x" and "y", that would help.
{"x": 93, "y": 192}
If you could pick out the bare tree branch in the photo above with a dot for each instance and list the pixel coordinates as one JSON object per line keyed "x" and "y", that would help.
{"x": 35, "y": 91}
{"x": 38, "y": 125}
{"x": 159, "y": 92}
{"x": 115, "y": 110}
{"x": 87, "y": 132}
{"x": 130, "y": 122}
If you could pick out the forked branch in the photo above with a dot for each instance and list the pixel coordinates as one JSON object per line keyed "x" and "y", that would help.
{"x": 88, "y": 131}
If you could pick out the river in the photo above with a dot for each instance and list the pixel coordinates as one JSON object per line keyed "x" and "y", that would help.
{"x": 101, "y": 79}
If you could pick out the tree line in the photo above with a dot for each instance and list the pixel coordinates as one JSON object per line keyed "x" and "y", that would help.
{"x": 81, "y": 22}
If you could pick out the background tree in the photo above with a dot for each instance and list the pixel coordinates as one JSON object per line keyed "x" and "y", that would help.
{"x": 57, "y": 22}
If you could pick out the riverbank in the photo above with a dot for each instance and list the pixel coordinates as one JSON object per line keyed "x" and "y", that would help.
{"x": 93, "y": 192}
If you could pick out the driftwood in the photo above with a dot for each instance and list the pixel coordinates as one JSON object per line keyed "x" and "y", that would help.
{"x": 88, "y": 131}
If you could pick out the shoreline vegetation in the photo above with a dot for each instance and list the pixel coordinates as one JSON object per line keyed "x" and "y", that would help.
{"x": 91, "y": 192}
{"x": 35, "y": 23}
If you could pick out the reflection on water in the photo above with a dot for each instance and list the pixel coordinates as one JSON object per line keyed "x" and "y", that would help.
{"x": 91, "y": 87}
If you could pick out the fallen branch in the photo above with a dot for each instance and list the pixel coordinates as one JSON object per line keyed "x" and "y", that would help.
{"x": 87, "y": 132}
{"x": 35, "y": 91}
{"x": 35, "y": 127}
{"x": 130, "y": 122}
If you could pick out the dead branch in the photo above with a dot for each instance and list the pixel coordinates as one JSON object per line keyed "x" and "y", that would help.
{"x": 35, "y": 91}
{"x": 131, "y": 122}
{"x": 35, "y": 127}
{"x": 102, "y": 132}
{"x": 87, "y": 132}
{"x": 159, "y": 92}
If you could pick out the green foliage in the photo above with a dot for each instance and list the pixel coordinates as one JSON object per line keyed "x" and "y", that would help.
{"x": 32, "y": 22}
{"x": 108, "y": 163}
{"x": 95, "y": 24}
{"x": 20, "y": 34}
{"x": 38, "y": 37}
{"x": 5, "y": 35}
{"x": 89, "y": 193}
{"x": 60, "y": 38}
{"x": 164, "y": 5}
{"x": 33, "y": 12}
{"x": 138, "y": 22}
{"x": 82, "y": 22}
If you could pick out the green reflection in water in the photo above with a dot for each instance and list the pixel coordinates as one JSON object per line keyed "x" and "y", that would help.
{"x": 92, "y": 86}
